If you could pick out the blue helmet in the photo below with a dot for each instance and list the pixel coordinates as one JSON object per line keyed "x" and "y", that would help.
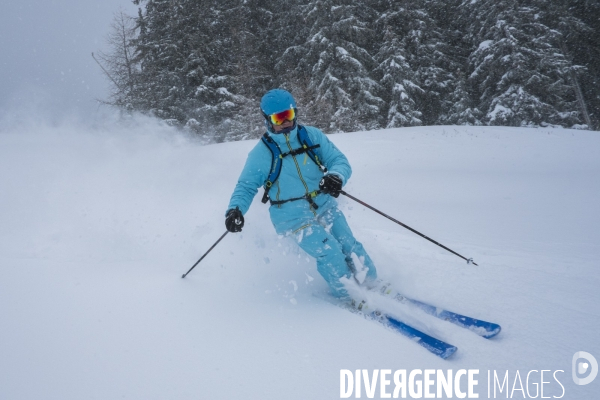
{"x": 276, "y": 101}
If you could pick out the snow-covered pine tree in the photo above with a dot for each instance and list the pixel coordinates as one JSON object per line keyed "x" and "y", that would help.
{"x": 162, "y": 84}
{"x": 418, "y": 59}
{"x": 450, "y": 51}
{"x": 201, "y": 64}
{"x": 431, "y": 56}
{"x": 517, "y": 67}
{"x": 397, "y": 77}
{"x": 461, "y": 110}
{"x": 585, "y": 49}
{"x": 332, "y": 67}
{"x": 236, "y": 71}
{"x": 578, "y": 22}
{"x": 285, "y": 37}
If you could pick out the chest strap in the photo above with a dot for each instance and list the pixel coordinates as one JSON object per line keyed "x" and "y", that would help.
{"x": 308, "y": 197}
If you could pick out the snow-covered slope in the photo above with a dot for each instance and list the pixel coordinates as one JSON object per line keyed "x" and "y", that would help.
{"x": 98, "y": 225}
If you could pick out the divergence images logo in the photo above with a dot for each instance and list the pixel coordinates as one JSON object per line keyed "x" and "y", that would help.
{"x": 580, "y": 367}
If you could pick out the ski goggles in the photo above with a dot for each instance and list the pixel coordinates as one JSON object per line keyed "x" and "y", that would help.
{"x": 281, "y": 117}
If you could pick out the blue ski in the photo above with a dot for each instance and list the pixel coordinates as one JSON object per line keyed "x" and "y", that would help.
{"x": 482, "y": 328}
{"x": 435, "y": 346}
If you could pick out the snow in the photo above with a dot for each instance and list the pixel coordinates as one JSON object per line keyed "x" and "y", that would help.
{"x": 342, "y": 52}
{"x": 499, "y": 110}
{"x": 485, "y": 44}
{"x": 223, "y": 91}
{"x": 99, "y": 223}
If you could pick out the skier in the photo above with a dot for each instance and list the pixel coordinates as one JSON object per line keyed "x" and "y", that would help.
{"x": 312, "y": 173}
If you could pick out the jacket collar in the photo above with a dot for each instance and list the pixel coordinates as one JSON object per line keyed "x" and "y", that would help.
{"x": 280, "y": 138}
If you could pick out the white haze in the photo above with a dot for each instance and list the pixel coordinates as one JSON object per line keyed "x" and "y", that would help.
{"x": 46, "y": 60}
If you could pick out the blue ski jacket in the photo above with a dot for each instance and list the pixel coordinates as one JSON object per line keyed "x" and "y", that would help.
{"x": 299, "y": 177}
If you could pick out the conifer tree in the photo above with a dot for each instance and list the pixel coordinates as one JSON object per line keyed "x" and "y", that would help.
{"x": 398, "y": 79}
{"x": 578, "y": 22}
{"x": 518, "y": 71}
{"x": 418, "y": 60}
{"x": 201, "y": 63}
{"x": 161, "y": 82}
{"x": 227, "y": 94}
{"x": 333, "y": 66}
{"x": 585, "y": 50}
{"x": 429, "y": 51}
{"x": 461, "y": 110}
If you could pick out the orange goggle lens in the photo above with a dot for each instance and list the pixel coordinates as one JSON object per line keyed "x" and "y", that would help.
{"x": 281, "y": 117}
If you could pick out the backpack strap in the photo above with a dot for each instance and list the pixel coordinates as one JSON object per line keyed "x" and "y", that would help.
{"x": 276, "y": 162}
{"x": 309, "y": 148}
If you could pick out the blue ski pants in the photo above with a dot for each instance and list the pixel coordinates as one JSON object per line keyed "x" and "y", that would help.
{"x": 329, "y": 239}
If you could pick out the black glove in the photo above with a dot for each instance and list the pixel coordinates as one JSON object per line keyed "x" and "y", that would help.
{"x": 331, "y": 184}
{"x": 234, "y": 220}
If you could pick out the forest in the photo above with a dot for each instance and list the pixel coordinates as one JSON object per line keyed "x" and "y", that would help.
{"x": 203, "y": 65}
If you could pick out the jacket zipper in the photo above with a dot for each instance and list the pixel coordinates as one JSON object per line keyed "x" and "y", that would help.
{"x": 287, "y": 140}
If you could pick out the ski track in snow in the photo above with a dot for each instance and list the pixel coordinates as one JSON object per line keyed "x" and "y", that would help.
{"x": 99, "y": 224}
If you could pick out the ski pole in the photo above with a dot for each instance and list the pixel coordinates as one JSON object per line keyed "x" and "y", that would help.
{"x": 212, "y": 247}
{"x": 469, "y": 260}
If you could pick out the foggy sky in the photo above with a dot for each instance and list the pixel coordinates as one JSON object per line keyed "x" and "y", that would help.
{"x": 45, "y": 54}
